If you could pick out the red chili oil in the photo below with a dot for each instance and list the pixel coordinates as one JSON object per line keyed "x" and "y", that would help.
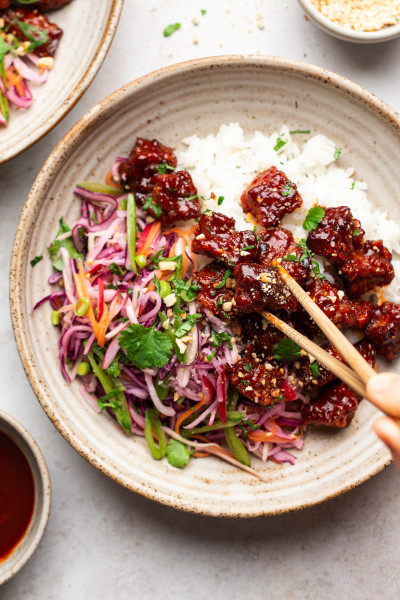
{"x": 17, "y": 495}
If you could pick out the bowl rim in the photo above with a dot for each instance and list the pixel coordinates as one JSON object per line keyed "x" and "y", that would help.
{"x": 381, "y": 35}
{"x": 67, "y": 105}
{"x": 36, "y": 457}
{"x": 47, "y": 173}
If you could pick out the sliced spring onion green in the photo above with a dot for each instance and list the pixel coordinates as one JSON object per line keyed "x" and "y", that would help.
{"x": 55, "y": 317}
{"x": 100, "y": 188}
{"x": 81, "y": 307}
{"x": 141, "y": 261}
{"x": 83, "y": 369}
{"x": 231, "y": 437}
{"x": 153, "y": 425}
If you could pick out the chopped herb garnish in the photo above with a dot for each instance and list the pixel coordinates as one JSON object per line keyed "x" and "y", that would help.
{"x": 247, "y": 367}
{"x": 313, "y": 218}
{"x": 248, "y": 247}
{"x": 316, "y": 269}
{"x": 314, "y": 369}
{"x": 220, "y": 200}
{"x": 286, "y": 350}
{"x": 337, "y": 153}
{"x": 170, "y": 29}
{"x": 146, "y": 347}
{"x": 218, "y": 338}
{"x": 203, "y": 11}
{"x": 309, "y": 254}
{"x": 352, "y": 185}
{"x": 163, "y": 168}
{"x": 286, "y": 190}
{"x": 187, "y": 324}
{"x": 35, "y": 260}
{"x": 305, "y": 131}
{"x": 292, "y": 257}
{"x": 104, "y": 403}
{"x": 37, "y": 37}
{"x": 209, "y": 357}
{"x": 356, "y": 232}
{"x": 157, "y": 210}
{"x": 279, "y": 144}
{"x": 227, "y": 274}
{"x": 244, "y": 382}
{"x": 116, "y": 269}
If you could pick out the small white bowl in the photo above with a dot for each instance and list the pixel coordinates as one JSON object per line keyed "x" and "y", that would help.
{"x": 31, "y": 539}
{"x": 349, "y": 35}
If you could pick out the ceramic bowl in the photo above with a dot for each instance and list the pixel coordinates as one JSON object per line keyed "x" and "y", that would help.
{"x": 349, "y": 35}
{"x": 81, "y": 52}
{"x": 197, "y": 97}
{"x": 31, "y": 539}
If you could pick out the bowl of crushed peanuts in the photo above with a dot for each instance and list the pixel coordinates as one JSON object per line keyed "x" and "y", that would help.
{"x": 360, "y": 21}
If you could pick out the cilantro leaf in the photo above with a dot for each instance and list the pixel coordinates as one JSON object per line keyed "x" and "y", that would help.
{"x": 177, "y": 454}
{"x": 4, "y": 48}
{"x": 146, "y": 347}
{"x": 314, "y": 216}
{"x": 170, "y": 29}
{"x": 286, "y": 350}
{"x": 67, "y": 243}
{"x": 187, "y": 324}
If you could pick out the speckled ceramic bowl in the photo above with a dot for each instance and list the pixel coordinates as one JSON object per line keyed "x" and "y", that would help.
{"x": 31, "y": 539}
{"x": 349, "y": 35}
{"x": 197, "y": 97}
{"x": 82, "y": 49}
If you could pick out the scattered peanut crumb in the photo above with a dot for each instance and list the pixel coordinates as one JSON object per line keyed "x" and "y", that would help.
{"x": 195, "y": 21}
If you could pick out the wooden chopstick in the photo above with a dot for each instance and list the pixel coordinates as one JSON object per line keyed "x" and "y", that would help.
{"x": 334, "y": 335}
{"x": 330, "y": 362}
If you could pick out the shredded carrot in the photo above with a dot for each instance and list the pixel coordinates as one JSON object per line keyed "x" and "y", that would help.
{"x": 66, "y": 308}
{"x": 154, "y": 231}
{"x": 266, "y": 436}
{"x": 110, "y": 181}
{"x": 82, "y": 290}
{"x": 183, "y": 232}
{"x": 201, "y": 453}
{"x": 187, "y": 414}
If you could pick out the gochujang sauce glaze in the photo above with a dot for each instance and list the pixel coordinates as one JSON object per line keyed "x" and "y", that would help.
{"x": 17, "y": 495}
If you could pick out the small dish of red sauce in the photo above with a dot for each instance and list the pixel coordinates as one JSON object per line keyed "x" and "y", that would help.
{"x": 24, "y": 496}
{"x": 17, "y": 495}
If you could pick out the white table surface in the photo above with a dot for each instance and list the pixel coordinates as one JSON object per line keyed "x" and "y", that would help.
{"x": 103, "y": 541}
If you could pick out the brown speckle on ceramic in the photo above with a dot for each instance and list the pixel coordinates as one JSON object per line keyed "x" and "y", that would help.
{"x": 83, "y": 48}
{"x": 197, "y": 97}
{"x": 31, "y": 539}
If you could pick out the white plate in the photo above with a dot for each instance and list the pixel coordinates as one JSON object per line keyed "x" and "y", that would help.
{"x": 88, "y": 33}
{"x": 197, "y": 97}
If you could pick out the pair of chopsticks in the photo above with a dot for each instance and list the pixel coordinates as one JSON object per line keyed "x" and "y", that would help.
{"x": 358, "y": 373}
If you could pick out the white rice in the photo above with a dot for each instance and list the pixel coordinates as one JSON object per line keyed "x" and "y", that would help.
{"x": 227, "y": 162}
